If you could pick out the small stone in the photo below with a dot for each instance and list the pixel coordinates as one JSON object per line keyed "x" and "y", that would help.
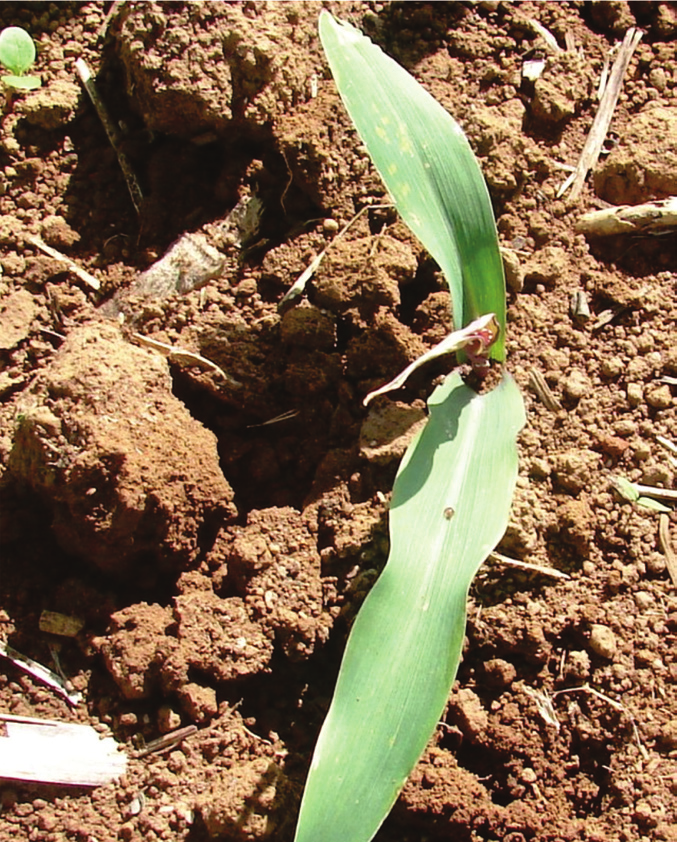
{"x": 198, "y": 702}
{"x": 612, "y": 445}
{"x": 528, "y": 776}
{"x": 167, "y": 719}
{"x": 658, "y": 79}
{"x": 645, "y": 813}
{"x": 635, "y": 394}
{"x": 625, "y": 427}
{"x": 603, "y": 641}
{"x": 57, "y": 232}
{"x": 309, "y": 327}
{"x": 500, "y": 673}
{"x": 53, "y": 106}
{"x": 667, "y": 738}
{"x": 577, "y": 666}
{"x": 655, "y": 564}
{"x": 514, "y": 276}
{"x": 469, "y": 713}
{"x": 576, "y": 385}
{"x": 643, "y": 600}
{"x": 659, "y": 397}
{"x": 539, "y": 468}
{"x": 388, "y": 429}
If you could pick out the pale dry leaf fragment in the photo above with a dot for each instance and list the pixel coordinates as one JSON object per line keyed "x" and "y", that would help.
{"x": 600, "y": 125}
{"x": 188, "y": 264}
{"x": 88, "y": 84}
{"x": 73, "y": 267}
{"x": 485, "y": 329}
{"x": 63, "y": 625}
{"x": 196, "y": 258}
{"x": 297, "y": 289}
{"x": 524, "y": 565}
{"x": 544, "y": 705}
{"x": 546, "y": 35}
{"x": 579, "y": 307}
{"x": 182, "y": 355}
{"x": 647, "y": 218}
{"x": 586, "y": 688}
{"x": 665, "y": 544}
{"x": 41, "y": 673}
{"x": 54, "y": 752}
{"x": 545, "y": 394}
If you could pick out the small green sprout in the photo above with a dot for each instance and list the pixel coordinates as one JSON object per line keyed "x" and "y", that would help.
{"x": 643, "y": 495}
{"x": 17, "y": 54}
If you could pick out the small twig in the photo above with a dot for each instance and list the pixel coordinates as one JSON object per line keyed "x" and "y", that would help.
{"x": 299, "y": 285}
{"x": 524, "y": 565}
{"x": 544, "y": 392}
{"x": 285, "y": 416}
{"x": 167, "y": 741}
{"x": 666, "y": 442}
{"x": 70, "y": 265}
{"x": 87, "y": 80}
{"x": 659, "y": 493}
{"x": 648, "y": 218}
{"x": 41, "y": 673}
{"x": 181, "y": 355}
{"x": 666, "y": 547}
{"x": 546, "y": 35}
{"x": 544, "y": 705}
{"x": 600, "y": 125}
{"x": 586, "y": 688}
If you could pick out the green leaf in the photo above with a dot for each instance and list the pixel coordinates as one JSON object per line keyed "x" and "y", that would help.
{"x": 17, "y": 50}
{"x": 652, "y": 505}
{"x": 428, "y": 167}
{"x": 626, "y": 489}
{"x": 449, "y": 509}
{"x": 25, "y": 83}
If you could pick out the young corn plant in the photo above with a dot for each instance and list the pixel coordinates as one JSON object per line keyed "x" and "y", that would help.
{"x": 453, "y": 491}
{"x": 17, "y": 54}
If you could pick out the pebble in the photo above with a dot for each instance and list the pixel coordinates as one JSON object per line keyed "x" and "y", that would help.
{"x": 528, "y": 776}
{"x": 668, "y": 735}
{"x": 612, "y": 366}
{"x": 659, "y": 397}
{"x": 644, "y": 813}
{"x": 168, "y": 719}
{"x": 658, "y": 78}
{"x": 635, "y": 394}
{"x": 643, "y": 600}
{"x": 603, "y": 641}
{"x": 577, "y": 666}
{"x": 576, "y": 385}
{"x": 500, "y": 673}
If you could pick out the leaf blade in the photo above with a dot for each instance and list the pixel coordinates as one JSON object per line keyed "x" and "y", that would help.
{"x": 17, "y": 50}
{"x": 443, "y": 524}
{"x": 428, "y": 167}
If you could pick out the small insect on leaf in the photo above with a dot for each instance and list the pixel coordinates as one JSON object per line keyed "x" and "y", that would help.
{"x": 449, "y": 513}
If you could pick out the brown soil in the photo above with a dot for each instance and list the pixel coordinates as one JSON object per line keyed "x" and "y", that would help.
{"x": 217, "y": 534}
